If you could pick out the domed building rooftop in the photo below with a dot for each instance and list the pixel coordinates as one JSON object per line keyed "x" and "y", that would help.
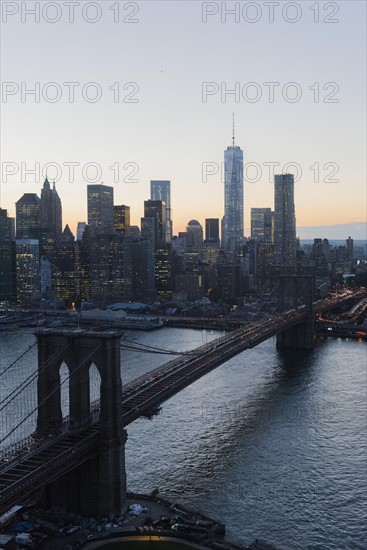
{"x": 194, "y": 222}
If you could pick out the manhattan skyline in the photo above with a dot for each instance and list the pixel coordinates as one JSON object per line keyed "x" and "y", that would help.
{"x": 180, "y": 122}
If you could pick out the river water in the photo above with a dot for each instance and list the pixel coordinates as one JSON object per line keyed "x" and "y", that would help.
{"x": 272, "y": 443}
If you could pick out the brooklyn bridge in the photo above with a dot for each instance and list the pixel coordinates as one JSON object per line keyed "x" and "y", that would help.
{"x": 78, "y": 461}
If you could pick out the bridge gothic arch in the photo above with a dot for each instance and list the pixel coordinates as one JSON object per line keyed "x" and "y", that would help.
{"x": 94, "y": 387}
{"x": 64, "y": 377}
{"x": 103, "y": 477}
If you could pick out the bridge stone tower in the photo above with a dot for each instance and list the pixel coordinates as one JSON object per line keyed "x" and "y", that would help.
{"x": 98, "y": 485}
{"x": 296, "y": 291}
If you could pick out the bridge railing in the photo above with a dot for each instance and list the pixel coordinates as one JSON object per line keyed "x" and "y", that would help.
{"x": 47, "y": 471}
{"x": 12, "y": 450}
{"x": 31, "y": 442}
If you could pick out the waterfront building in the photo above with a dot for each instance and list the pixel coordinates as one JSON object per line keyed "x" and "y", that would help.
{"x": 109, "y": 268}
{"x": 27, "y": 271}
{"x": 144, "y": 253}
{"x": 7, "y": 257}
{"x": 45, "y": 279}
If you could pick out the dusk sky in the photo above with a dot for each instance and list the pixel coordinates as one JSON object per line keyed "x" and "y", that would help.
{"x": 171, "y": 130}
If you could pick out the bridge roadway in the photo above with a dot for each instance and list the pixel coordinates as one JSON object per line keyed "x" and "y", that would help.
{"x": 44, "y": 462}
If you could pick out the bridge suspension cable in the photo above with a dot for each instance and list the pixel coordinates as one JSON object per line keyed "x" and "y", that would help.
{"x": 150, "y": 349}
{"x": 18, "y": 358}
{"x": 300, "y": 289}
{"x": 49, "y": 395}
{"x": 143, "y": 350}
{"x": 267, "y": 299}
{"x": 33, "y": 375}
{"x": 17, "y": 391}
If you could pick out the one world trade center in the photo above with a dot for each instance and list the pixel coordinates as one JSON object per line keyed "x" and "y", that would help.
{"x": 232, "y": 228}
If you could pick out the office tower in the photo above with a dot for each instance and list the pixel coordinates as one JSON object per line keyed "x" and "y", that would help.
{"x": 143, "y": 281}
{"x": 80, "y": 230}
{"x": 27, "y": 212}
{"x": 285, "y": 220}
{"x": 67, "y": 269}
{"x": 157, "y": 211}
{"x": 194, "y": 243}
{"x": 100, "y": 209}
{"x": 50, "y": 210}
{"x": 212, "y": 230}
{"x": 109, "y": 269}
{"x": 7, "y": 257}
{"x": 210, "y": 251}
{"x": 349, "y": 244}
{"x": 326, "y": 247}
{"x": 135, "y": 231}
{"x": 194, "y": 235}
{"x": 262, "y": 233}
{"x": 211, "y": 245}
{"x": 232, "y": 235}
{"x": 272, "y": 227}
{"x": 261, "y": 225}
{"x": 319, "y": 258}
{"x": 250, "y": 264}
{"x": 163, "y": 272}
{"x": 122, "y": 219}
{"x": 144, "y": 252}
{"x": 84, "y": 264}
{"x": 45, "y": 279}
{"x": 160, "y": 190}
{"x": 148, "y": 230}
{"x": 27, "y": 271}
{"x": 228, "y": 278}
{"x": 179, "y": 244}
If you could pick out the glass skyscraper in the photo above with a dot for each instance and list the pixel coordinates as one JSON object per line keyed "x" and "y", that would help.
{"x": 100, "y": 208}
{"x": 261, "y": 225}
{"x": 160, "y": 190}
{"x": 285, "y": 220}
{"x": 27, "y": 270}
{"x": 232, "y": 227}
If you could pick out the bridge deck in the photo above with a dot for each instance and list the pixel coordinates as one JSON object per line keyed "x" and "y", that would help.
{"x": 26, "y": 474}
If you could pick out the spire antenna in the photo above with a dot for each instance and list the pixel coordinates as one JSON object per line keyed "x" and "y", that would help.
{"x": 233, "y": 129}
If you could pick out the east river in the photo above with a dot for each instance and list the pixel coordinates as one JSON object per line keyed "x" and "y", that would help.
{"x": 271, "y": 443}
